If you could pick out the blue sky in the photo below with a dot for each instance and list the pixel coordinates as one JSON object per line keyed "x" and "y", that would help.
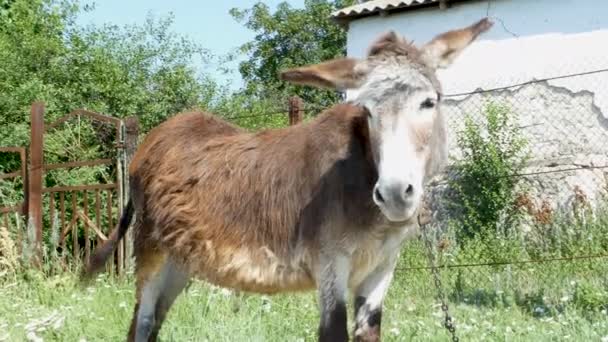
{"x": 205, "y": 21}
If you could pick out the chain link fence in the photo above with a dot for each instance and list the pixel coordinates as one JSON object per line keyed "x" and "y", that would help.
{"x": 540, "y": 247}
{"x": 544, "y": 251}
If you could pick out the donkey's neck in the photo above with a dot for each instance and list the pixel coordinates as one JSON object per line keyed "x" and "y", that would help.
{"x": 339, "y": 167}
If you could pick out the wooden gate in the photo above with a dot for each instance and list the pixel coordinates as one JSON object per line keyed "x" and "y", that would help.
{"x": 12, "y": 213}
{"x": 72, "y": 219}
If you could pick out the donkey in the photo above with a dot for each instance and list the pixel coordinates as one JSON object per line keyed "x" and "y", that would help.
{"x": 321, "y": 205}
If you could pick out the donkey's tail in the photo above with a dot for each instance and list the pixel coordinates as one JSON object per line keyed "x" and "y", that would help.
{"x": 103, "y": 252}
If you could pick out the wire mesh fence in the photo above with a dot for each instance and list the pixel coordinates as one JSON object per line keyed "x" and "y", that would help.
{"x": 539, "y": 245}
{"x": 544, "y": 250}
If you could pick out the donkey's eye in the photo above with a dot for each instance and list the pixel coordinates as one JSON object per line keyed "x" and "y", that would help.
{"x": 427, "y": 104}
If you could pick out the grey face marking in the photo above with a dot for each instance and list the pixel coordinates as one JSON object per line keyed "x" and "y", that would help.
{"x": 402, "y": 100}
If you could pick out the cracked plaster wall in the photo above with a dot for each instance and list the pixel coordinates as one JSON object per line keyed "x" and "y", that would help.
{"x": 567, "y": 136}
{"x": 565, "y": 120}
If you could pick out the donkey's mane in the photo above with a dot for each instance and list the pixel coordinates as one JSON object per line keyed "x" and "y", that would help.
{"x": 391, "y": 44}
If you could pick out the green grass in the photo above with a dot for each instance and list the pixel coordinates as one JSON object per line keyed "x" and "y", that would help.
{"x": 548, "y": 301}
{"x": 484, "y": 310}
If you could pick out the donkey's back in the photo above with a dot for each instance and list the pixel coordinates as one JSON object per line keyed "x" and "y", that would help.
{"x": 242, "y": 210}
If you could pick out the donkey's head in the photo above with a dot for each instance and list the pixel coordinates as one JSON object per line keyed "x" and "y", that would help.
{"x": 396, "y": 82}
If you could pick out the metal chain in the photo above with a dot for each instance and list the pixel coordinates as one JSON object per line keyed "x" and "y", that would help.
{"x": 448, "y": 322}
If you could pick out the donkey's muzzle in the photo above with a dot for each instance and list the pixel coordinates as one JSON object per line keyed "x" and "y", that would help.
{"x": 396, "y": 200}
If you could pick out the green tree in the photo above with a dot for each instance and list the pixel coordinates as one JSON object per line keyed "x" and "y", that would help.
{"x": 136, "y": 70}
{"x": 108, "y": 69}
{"x": 5, "y": 5}
{"x": 286, "y": 38}
{"x": 144, "y": 70}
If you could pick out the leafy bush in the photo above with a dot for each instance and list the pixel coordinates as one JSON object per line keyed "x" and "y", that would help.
{"x": 493, "y": 152}
{"x": 592, "y": 297}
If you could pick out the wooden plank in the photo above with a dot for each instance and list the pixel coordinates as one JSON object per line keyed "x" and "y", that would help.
{"x": 62, "y": 236}
{"x": 95, "y": 162}
{"x": 81, "y": 187}
{"x": 88, "y": 223}
{"x": 131, "y": 136}
{"x": 120, "y": 197}
{"x": 75, "y": 247}
{"x": 83, "y": 112}
{"x": 97, "y": 212}
{"x": 110, "y": 225}
{"x": 13, "y": 209}
{"x": 13, "y": 149}
{"x": 25, "y": 180}
{"x": 295, "y": 110}
{"x": 20, "y": 233}
{"x": 66, "y": 230}
{"x": 35, "y": 174}
{"x": 120, "y": 255}
{"x": 85, "y": 214}
{"x": 10, "y": 175}
{"x": 52, "y": 214}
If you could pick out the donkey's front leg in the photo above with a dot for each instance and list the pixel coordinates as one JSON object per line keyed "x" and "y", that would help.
{"x": 368, "y": 300}
{"x": 334, "y": 271}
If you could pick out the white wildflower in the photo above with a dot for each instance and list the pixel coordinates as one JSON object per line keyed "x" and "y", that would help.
{"x": 32, "y": 337}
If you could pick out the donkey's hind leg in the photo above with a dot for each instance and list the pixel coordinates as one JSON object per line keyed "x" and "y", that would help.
{"x": 148, "y": 265}
{"x": 175, "y": 281}
{"x": 158, "y": 292}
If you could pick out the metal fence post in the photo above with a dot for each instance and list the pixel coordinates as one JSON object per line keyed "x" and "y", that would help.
{"x": 295, "y": 110}
{"x": 35, "y": 176}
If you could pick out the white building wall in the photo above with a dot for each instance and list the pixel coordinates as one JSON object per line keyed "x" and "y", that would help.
{"x": 531, "y": 39}
{"x": 565, "y": 121}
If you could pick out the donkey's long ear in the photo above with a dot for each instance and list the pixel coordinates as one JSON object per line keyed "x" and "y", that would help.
{"x": 443, "y": 49}
{"x": 340, "y": 73}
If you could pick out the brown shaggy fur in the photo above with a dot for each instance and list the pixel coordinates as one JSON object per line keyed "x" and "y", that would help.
{"x": 203, "y": 217}
{"x": 280, "y": 210}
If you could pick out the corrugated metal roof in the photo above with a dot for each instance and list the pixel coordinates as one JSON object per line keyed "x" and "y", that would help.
{"x": 378, "y": 6}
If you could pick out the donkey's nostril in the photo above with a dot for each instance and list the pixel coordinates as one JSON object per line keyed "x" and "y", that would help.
{"x": 409, "y": 191}
{"x": 378, "y": 196}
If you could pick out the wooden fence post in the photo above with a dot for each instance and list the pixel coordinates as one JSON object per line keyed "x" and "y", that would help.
{"x": 35, "y": 176}
{"x": 24, "y": 176}
{"x": 131, "y": 138}
{"x": 295, "y": 110}
{"x": 132, "y": 134}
